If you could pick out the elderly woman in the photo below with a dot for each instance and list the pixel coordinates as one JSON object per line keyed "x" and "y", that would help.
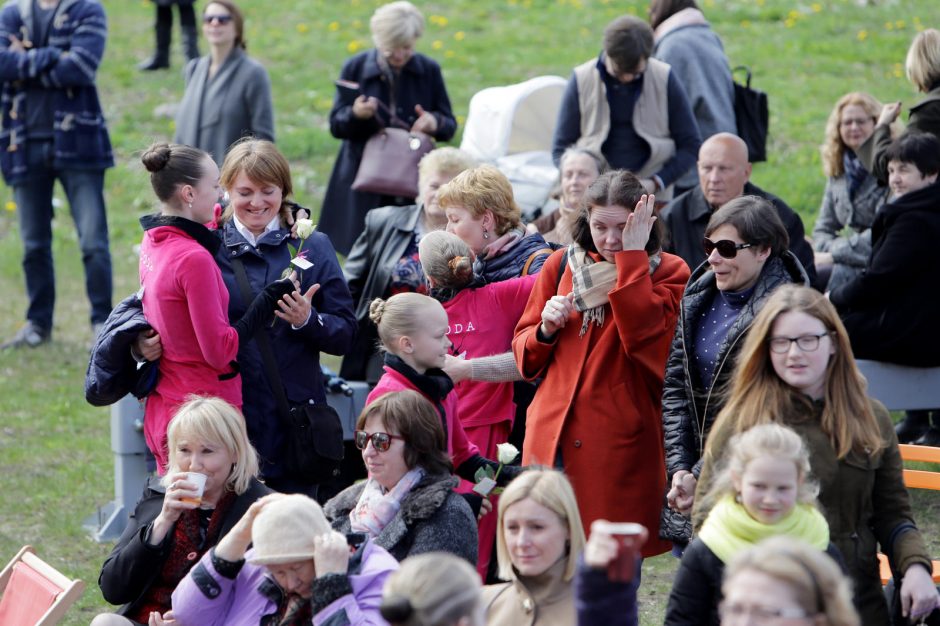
{"x": 228, "y": 94}
{"x": 434, "y": 589}
{"x": 298, "y": 571}
{"x": 922, "y": 67}
{"x": 852, "y": 195}
{"x": 407, "y": 505}
{"x": 384, "y": 259}
{"x": 578, "y": 168}
{"x": 255, "y": 239}
{"x": 391, "y": 78}
{"x": 539, "y": 541}
{"x": 746, "y": 244}
{"x": 597, "y": 330}
{"x": 170, "y": 528}
{"x": 480, "y": 209}
{"x": 683, "y": 38}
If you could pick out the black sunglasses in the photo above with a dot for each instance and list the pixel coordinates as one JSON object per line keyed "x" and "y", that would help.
{"x": 380, "y": 441}
{"x": 221, "y": 19}
{"x": 726, "y": 248}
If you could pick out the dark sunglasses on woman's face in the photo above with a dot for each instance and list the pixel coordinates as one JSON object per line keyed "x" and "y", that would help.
{"x": 726, "y": 248}
{"x": 380, "y": 441}
{"x": 221, "y": 19}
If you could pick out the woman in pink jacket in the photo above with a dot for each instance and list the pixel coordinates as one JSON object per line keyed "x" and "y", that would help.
{"x": 183, "y": 295}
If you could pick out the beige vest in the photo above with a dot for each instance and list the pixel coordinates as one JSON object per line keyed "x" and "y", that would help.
{"x": 650, "y": 115}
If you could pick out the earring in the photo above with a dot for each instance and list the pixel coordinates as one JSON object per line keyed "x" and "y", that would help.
{"x": 486, "y": 234}
{"x": 190, "y": 206}
{"x": 737, "y": 497}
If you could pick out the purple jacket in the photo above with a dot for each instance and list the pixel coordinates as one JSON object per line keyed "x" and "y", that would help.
{"x": 208, "y": 598}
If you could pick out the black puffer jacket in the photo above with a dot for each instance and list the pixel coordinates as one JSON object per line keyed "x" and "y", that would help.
{"x": 689, "y": 409}
{"x": 112, "y": 372}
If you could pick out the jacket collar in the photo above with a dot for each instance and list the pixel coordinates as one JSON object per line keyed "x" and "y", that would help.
{"x": 236, "y": 244}
{"x": 26, "y": 12}
{"x": 679, "y": 19}
{"x": 372, "y": 70}
{"x": 200, "y": 233}
{"x": 926, "y": 199}
{"x": 932, "y": 96}
{"x": 434, "y": 383}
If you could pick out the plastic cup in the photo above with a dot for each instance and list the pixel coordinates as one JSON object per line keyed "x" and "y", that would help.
{"x": 200, "y": 481}
{"x": 629, "y": 537}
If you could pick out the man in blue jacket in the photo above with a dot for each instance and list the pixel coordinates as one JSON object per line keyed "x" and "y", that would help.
{"x": 53, "y": 128}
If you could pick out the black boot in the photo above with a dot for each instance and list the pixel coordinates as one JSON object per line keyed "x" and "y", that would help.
{"x": 190, "y": 34}
{"x": 913, "y": 426}
{"x": 164, "y": 33}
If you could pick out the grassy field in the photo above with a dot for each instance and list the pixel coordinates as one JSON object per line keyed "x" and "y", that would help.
{"x": 55, "y": 459}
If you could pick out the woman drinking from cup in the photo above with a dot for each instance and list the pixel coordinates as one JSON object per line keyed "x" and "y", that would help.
{"x": 538, "y": 541}
{"x": 172, "y": 524}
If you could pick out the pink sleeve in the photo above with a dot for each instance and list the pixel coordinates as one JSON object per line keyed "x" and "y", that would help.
{"x": 461, "y": 447}
{"x": 207, "y": 301}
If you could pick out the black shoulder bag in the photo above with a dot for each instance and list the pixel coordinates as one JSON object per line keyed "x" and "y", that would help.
{"x": 313, "y": 448}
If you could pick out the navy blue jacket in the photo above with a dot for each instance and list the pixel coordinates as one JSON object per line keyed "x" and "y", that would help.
{"x": 66, "y": 66}
{"x": 420, "y": 82}
{"x": 331, "y": 329}
{"x": 509, "y": 264}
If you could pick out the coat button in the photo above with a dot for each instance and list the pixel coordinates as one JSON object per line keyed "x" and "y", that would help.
{"x": 192, "y": 556}
{"x": 577, "y": 443}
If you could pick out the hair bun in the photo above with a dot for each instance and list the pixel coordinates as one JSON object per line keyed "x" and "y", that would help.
{"x": 377, "y": 310}
{"x": 396, "y": 608}
{"x": 156, "y": 157}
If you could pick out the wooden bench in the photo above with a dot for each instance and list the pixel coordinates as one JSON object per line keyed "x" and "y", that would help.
{"x": 916, "y": 479}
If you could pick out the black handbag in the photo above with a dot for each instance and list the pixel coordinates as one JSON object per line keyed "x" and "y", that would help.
{"x": 313, "y": 448}
{"x": 753, "y": 117}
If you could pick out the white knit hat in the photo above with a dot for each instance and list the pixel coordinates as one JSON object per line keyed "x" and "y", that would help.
{"x": 284, "y": 530}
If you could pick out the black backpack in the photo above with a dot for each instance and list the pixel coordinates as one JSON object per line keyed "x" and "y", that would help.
{"x": 753, "y": 117}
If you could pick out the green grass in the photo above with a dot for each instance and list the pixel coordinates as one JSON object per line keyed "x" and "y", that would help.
{"x": 55, "y": 458}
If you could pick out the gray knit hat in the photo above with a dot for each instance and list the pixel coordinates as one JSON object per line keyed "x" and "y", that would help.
{"x": 285, "y": 529}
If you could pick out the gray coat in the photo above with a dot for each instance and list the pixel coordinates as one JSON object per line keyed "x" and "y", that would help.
{"x": 432, "y": 518}
{"x": 850, "y": 251}
{"x": 235, "y": 103}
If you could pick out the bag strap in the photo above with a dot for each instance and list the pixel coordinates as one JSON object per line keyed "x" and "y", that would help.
{"x": 747, "y": 71}
{"x": 532, "y": 257}
{"x": 392, "y": 118}
{"x": 264, "y": 345}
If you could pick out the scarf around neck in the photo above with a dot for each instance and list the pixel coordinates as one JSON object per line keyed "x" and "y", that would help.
{"x": 591, "y": 283}
{"x": 377, "y": 507}
{"x": 729, "y": 528}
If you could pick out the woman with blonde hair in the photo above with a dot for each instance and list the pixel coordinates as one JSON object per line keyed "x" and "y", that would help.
{"x": 170, "y": 529}
{"x": 796, "y": 368}
{"x": 434, "y": 589}
{"x": 852, "y": 195}
{"x": 390, "y": 79}
{"x": 538, "y": 541}
{"x": 783, "y": 578}
{"x": 922, "y": 67}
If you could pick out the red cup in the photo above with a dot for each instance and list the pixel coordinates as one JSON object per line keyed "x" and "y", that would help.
{"x": 630, "y": 538}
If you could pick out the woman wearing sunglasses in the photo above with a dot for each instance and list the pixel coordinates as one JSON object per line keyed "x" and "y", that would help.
{"x": 228, "y": 94}
{"x": 747, "y": 258}
{"x": 408, "y": 505}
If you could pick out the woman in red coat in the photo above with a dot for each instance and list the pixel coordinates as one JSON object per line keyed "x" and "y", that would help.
{"x": 599, "y": 336}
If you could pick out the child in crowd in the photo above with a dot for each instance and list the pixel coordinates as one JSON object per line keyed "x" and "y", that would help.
{"x": 763, "y": 491}
{"x": 413, "y": 331}
{"x": 481, "y": 319}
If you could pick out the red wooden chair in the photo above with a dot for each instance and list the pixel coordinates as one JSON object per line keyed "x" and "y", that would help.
{"x": 34, "y": 593}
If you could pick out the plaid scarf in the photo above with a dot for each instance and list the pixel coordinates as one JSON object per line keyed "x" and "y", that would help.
{"x": 592, "y": 281}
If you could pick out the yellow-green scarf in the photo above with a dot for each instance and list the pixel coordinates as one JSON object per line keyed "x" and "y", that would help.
{"x": 729, "y": 528}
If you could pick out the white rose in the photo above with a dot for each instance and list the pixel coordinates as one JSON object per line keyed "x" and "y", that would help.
{"x": 305, "y": 228}
{"x": 506, "y": 453}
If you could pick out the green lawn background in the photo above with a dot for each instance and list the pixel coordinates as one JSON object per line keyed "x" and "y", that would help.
{"x": 55, "y": 460}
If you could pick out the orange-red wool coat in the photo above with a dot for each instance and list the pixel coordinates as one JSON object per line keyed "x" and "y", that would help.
{"x": 600, "y": 403}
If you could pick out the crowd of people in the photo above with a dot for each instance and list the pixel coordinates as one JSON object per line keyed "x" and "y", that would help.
{"x": 671, "y": 352}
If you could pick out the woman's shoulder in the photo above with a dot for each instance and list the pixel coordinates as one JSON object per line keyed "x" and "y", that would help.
{"x": 434, "y": 493}
{"x": 494, "y": 593}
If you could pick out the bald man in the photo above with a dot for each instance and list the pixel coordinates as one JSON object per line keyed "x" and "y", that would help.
{"x": 724, "y": 173}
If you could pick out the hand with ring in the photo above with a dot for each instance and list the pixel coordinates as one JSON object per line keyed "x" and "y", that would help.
{"x": 173, "y": 506}
{"x": 296, "y": 308}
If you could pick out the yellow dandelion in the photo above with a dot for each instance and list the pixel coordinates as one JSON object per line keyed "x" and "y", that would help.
{"x": 760, "y": 3}
{"x": 459, "y": 35}
{"x": 357, "y": 24}
{"x": 333, "y": 27}
{"x": 745, "y": 23}
{"x": 585, "y": 32}
{"x": 302, "y": 28}
{"x": 438, "y": 44}
{"x": 353, "y": 46}
{"x": 449, "y": 54}
{"x": 900, "y": 24}
{"x": 527, "y": 4}
{"x": 512, "y": 3}
{"x": 709, "y": 3}
{"x": 461, "y": 119}
{"x": 898, "y": 73}
{"x": 862, "y": 35}
{"x": 577, "y": 4}
{"x": 794, "y": 15}
{"x": 789, "y": 22}
{"x": 889, "y": 26}
{"x": 816, "y": 7}
{"x": 10, "y": 206}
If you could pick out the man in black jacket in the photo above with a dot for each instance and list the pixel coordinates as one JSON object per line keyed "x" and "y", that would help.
{"x": 724, "y": 173}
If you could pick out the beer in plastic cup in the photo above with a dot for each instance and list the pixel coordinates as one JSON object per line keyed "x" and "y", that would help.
{"x": 628, "y": 536}
{"x": 200, "y": 481}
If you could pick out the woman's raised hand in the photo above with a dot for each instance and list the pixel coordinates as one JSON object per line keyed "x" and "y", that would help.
{"x": 636, "y": 232}
{"x": 330, "y": 554}
{"x": 364, "y": 107}
{"x": 889, "y": 113}
{"x": 173, "y": 506}
{"x": 555, "y": 314}
{"x": 233, "y": 546}
{"x": 296, "y": 307}
{"x": 682, "y": 494}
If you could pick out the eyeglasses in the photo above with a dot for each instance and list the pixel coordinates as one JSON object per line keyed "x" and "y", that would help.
{"x": 806, "y": 343}
{"x": 727, "y": 249}
{"x": 729, "y": 611}
{"x": 380, "y": 441}
{"x": 218, "y": 19}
